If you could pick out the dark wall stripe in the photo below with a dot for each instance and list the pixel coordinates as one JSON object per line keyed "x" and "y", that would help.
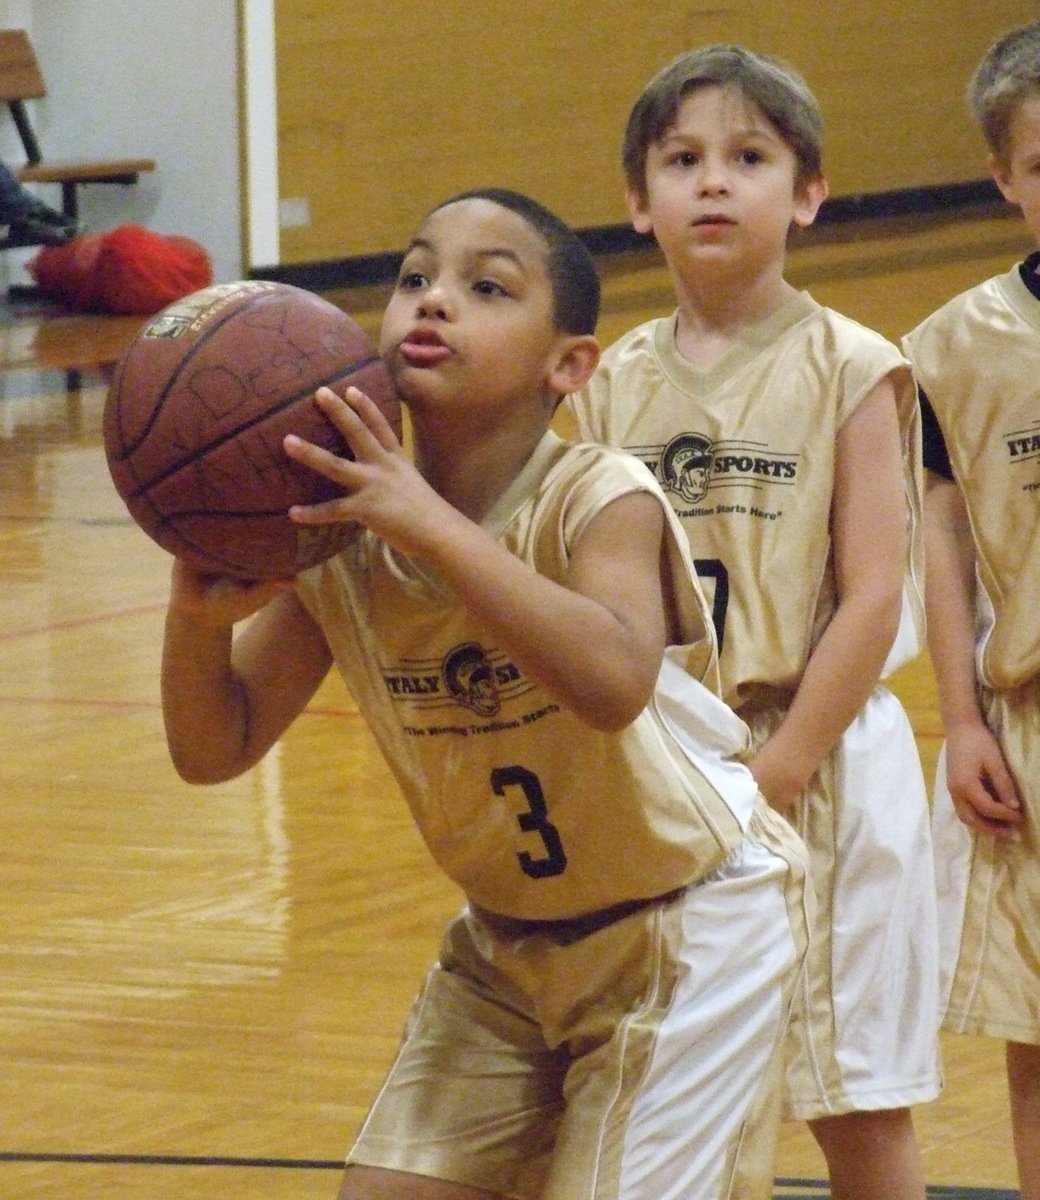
{"x": 368, "y": 269}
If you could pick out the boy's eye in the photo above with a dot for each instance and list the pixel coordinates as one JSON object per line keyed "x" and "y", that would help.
{"x": 684, "y": 158}
{"x": 489, "y": 287}
{"x": 410, "y": 281}
{"x": 751, "y": 157}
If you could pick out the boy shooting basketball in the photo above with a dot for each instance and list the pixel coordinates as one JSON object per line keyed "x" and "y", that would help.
{"x": 604, "y": 1014}
{"x": 978, "y": 361}
{"x": 802, "y": 524}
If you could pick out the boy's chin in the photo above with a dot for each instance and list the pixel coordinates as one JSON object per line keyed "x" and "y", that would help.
{"x": 414, "y": 387}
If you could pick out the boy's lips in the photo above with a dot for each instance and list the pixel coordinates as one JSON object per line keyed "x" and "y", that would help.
{"x": 424, "y": 348}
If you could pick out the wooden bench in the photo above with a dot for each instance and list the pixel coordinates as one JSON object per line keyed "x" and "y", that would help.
{"x": 22, "y": 80}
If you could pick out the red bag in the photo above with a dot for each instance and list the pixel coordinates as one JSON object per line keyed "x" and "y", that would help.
{"x": 64, "y": 273}
{"x": 129, "y": 270}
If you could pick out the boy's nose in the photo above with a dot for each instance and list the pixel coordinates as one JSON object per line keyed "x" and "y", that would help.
{"x": 434, "y": 303}
{"x": 712, "y": 178}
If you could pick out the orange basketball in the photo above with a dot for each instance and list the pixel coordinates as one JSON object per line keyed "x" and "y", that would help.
{"x": 197, "y": 410}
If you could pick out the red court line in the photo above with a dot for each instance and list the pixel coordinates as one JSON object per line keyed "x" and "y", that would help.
{"x": 172, "y": 1160}
{"x": 72, "y": 702}
{"x": 10, "y": 635}
{"x": 69, "y": 702}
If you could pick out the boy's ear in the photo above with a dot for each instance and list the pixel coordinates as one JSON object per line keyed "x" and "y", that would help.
{"x": 1002, "y": 178}
{"x": 637, "y": 211}
{"x": 810, "y": 195}
{"x": 576, "y": 358}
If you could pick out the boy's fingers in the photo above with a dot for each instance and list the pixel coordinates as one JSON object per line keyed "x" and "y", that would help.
{"x": 358, "y": 418}
{"x": 373, "y": 417}
{"x": 317, "y": 458}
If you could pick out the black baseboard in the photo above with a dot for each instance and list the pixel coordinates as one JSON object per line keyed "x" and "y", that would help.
{"x": 914, "y": 201}
{"x": 365, "y": 270}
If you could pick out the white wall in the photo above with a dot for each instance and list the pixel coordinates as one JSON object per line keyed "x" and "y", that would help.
{"x": 156, "y": 78}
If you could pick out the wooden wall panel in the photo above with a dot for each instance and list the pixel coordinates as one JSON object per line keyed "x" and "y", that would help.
{"x": 385, "y": 108}
{"x": 891, "y": 80}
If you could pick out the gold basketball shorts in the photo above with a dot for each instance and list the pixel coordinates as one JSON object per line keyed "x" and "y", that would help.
{"x": 635, "y": 1061}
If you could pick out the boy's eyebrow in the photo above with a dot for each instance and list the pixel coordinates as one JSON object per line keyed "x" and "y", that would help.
{"x": 500, "y": 252}
{"x": 672, "y": 133}
{"x": 421, "y": 243}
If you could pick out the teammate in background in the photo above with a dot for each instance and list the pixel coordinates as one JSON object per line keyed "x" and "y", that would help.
{"x": 804, "y": 524}
{"x": 605, "y": 1010}
{"x": 978, "y": 364}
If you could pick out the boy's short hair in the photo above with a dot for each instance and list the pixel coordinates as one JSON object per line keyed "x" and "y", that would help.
{"x": 773, "y": 86}
{"x": 572, "y": 271}
{"x": 1008, "y": 74}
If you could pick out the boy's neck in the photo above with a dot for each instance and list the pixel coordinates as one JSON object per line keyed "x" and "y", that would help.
{"x": 714, "y": 313}
{"x": 470, "y": 464}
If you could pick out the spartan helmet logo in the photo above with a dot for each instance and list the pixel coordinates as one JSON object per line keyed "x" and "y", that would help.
{"x": 686, "y": 466}
{"x": 470, "y": 679}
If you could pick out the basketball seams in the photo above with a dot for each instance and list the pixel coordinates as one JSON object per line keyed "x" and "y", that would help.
{"x": 268, "y": 414}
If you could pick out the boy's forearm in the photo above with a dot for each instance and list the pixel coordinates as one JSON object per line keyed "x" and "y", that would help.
{"x": 952, "y": 651}
{"x": 950, "y": 602}
{"x": 203, "y": 707}
{"x": 841, "y": 673}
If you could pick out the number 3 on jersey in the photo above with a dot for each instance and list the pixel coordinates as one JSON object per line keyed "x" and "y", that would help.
{"x": 534, "y": 820}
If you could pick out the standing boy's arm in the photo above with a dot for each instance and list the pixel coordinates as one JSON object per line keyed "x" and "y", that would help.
{"x": 869, "y": 532}
{"x": 594, "y": 641}
{"x": 980, "y": 786}
{"x": 227, "y": 700}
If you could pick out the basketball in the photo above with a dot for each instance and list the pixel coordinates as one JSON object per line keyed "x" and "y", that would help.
{"x": 196, "y": 412}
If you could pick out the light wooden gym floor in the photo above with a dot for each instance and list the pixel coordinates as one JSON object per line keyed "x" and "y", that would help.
{"x": 201, "y": 988}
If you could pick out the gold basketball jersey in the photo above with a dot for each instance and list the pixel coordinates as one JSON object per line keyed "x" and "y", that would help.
{"x": 533, "y": 813}
{"x": 978, "y": 360}
{"x": 745, "y": 453}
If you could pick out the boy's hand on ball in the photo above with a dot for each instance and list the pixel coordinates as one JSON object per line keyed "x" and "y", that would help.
{"x": 382, "y": 489}
{"x": 220, "y": 601}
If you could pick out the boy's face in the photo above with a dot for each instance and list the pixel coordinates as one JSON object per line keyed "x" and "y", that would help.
{"x": 1019, "y": 177}
{"x": 470, "y": 317}
{"x": 721, "y": 185}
